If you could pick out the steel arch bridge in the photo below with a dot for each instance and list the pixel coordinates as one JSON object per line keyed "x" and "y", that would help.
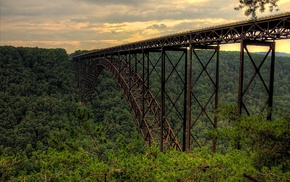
{"x": 174, "y": 62}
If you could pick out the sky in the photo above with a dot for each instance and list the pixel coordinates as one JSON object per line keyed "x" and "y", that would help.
{"x": 94, "y": 24}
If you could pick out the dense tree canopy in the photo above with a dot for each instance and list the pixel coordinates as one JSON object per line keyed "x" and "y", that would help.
{"x": 47, "y": 135}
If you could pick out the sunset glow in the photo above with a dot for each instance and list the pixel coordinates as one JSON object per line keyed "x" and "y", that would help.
{"x": 74, "y": 25}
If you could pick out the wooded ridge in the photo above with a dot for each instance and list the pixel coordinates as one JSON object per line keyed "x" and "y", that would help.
{"x": 47, "y": 135}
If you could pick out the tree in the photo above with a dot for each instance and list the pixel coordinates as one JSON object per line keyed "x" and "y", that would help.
{"x": 253, "y": 5}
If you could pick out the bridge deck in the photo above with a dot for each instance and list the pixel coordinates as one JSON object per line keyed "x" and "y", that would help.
{"x": 267, "y": 28}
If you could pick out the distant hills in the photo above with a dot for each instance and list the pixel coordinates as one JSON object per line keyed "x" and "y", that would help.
{"x": 280, "y": 54}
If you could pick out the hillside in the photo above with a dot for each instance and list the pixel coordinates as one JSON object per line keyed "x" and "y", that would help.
{"x": 46, "y": 135}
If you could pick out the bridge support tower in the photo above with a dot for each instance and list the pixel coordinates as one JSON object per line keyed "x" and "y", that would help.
{"x": 257, "y": 80}
{"x": 205, "y": 72}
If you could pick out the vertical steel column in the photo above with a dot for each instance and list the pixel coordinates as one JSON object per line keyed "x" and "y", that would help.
{"x": 130, "y": 71}
{"x": 162, "y": 97}
{"x": 271, "y": 85}
{"x": 214, "y": 142}
{"x": 143, "y": 89}
{"x": 119, "y": 58}
{"x": 185, "y": 103}
{"x": 136, "y": 64}
{"x": 147, "y": 54}
{"x": 126, "y": 61}
{"x": 148, "y": 71}
{"x": 241, "y": 77}
{"x": 187, "y": 126}
{"x": 78, "y": 67}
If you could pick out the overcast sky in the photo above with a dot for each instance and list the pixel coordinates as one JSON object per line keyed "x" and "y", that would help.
{"x": 92, "y": 24}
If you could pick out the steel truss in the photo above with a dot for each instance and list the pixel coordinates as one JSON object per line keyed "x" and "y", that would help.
{"x": 157, "y": 111}
{"x": 139, "y": 66}
{"x": 174, "y": 89}
{"x": 258, "y": 78}
{"x": 268, "y": 28}
{"x": 146, "y": 109}
{"x": 163, "y": 66}
{"x": 205, "y": 72}
{"x": 87, "y": 73}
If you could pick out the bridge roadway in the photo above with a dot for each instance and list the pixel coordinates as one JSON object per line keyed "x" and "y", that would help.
{"x": 136, "y": 64}
{"x": 267, "y": 28}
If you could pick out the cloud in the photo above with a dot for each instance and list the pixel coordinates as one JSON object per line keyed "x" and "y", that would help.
{"x": 95, "y": 24}
{"x": 157, "y": 26}
{"x": 132, "y": 3}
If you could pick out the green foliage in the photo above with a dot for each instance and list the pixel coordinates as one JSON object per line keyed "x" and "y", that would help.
{"x": 265, "y": 142}
{"x": 111, "y": 109}
{"x": 254, "y": 5}
{"x": 37, "y": 97}
{"x": 46, "y": 135}
{"x": 53, "y": 165}
{"x": 84, "y": 113}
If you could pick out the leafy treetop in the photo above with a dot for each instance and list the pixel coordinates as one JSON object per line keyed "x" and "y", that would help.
{"x": 253, "y": 5}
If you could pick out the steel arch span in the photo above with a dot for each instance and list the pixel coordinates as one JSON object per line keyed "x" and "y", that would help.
{"x": 147, "y": 70}
{"x": 136, "y": 93}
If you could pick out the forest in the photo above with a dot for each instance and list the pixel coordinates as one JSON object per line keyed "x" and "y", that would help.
{"x": 46, "y": 134}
